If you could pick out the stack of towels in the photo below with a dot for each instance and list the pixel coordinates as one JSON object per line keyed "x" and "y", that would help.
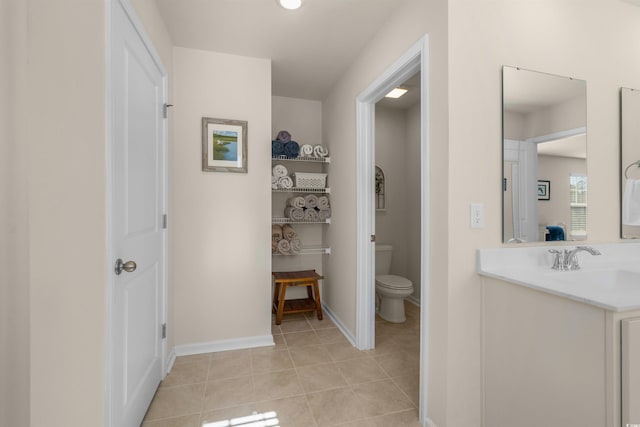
{"x": 280, "y": 177}
{"x": 283, "y": 145}
{"x": 309, "y": 208}
{"x": 284, "y": 240}
{"x": 318, "y": 151}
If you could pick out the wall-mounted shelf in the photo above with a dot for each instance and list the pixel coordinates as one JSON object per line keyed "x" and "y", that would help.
{"x": 310, "y": 250}
{"x": 284, "y": 220}
{"x": 303, "y": 159}
{"x": 301, "y": 190}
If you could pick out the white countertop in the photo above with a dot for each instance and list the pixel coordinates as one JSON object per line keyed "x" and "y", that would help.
{"x": 610, "y": 280}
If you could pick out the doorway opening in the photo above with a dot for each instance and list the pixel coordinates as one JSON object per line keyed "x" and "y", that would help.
{"x": 414, "y": 61}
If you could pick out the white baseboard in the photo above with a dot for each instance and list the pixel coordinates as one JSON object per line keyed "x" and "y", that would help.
{"x": 413, "y": 300}
{"x": 339, "y": 324}
{"x": 170, "y": 361}
{"x": 223, "y": 345}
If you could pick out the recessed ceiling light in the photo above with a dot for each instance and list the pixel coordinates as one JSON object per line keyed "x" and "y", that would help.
{"x": 396, "y": 93}
{"x": 290, "y": 4}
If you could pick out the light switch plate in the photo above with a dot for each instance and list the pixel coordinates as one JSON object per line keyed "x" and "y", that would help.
{"x": 477, "y": 215}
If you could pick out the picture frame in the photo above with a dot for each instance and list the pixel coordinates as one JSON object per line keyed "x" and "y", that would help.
{"x": 224, "y": 145}
{"x": 544, "y": 190}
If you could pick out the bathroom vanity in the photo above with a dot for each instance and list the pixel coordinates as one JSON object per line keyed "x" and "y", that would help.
{"x": 561, "y": 348}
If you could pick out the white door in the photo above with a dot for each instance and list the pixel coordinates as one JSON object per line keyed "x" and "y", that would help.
{"x": 137, "y": 192}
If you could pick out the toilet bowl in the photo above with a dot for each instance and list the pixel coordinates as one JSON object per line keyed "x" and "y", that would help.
{"x": 391, "y": 290}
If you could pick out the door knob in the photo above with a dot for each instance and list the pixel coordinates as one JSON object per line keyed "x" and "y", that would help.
{"x": 128, "y": 266}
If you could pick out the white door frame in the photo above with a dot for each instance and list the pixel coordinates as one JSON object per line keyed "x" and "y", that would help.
{"x": 110, "y": 278}
{"x": 415, "y": 59}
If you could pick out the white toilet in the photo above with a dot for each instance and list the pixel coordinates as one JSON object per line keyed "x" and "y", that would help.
{"x": 391, "y": 290}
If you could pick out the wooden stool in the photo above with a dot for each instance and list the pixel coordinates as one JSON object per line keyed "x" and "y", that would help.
{"x": 284, "y": 279}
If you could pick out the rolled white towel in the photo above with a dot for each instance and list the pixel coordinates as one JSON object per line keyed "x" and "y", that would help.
{"x": 285, "y": 182}
{"x": 294, "y": 214}
{"x": 274, "y": 182}
{"x": 295, "y": 246}
{"x": 279, "y": 171}
{"x": 276, "y": 231}
{"x": 311, "y": 215}
{"x": 310, "y": 201}
{"x": 324, "y": 214}
{"x": 284, "y": 247}
{"x": 306, "y": 150}
{"x": 296, "y": 202}
{"x": 274, "y": 245}
{"x": 320, "y": 151}
{"x": 288, "y": 232}
{"x": 323, "y": 202}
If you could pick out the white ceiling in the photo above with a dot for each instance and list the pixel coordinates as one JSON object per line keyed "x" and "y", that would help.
{"x": 526, "y": 91}
{"x": 310, "y": 48}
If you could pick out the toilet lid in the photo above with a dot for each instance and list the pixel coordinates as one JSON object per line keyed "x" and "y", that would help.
{"x": 393, "y": 282}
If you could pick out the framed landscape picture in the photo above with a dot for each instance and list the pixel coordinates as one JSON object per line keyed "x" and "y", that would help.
{"x": 224, "y": 145}
{"x": 544, "y": 190}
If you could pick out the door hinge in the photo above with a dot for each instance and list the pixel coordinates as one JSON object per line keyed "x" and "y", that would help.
{"x": 165, "y": 108}
{"x": 164, "y": 330}
{"x": 373, "y": 238}
{"x": 164, "y": 221}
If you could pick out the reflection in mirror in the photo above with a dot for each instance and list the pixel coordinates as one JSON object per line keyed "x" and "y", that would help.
{"x": 544, "y": 133}
{"x": 630, "y": 162}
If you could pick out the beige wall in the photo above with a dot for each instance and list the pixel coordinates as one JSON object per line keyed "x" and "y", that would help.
{"x": 14, "y": 284}
{"x": 402, "y": 30}
{"x": 221, "y": 239}
{"x": 548, "y": 35}
{"x": 66, "y": 202}
{"x": 390, "y": 155}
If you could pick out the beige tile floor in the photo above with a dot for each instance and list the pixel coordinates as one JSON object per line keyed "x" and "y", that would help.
{"x": 313, "y": 377}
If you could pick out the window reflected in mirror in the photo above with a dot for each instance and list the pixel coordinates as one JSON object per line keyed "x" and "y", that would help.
{"x": 544, "y": 182}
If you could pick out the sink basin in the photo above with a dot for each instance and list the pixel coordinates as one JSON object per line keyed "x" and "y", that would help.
{"x": 614, "y": 279}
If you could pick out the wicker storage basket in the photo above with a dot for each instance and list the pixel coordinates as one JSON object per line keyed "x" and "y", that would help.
{"x": 310, "y": 180}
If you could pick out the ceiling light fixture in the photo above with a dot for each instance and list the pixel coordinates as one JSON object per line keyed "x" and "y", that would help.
{"x": 290, "y": 4}
{"x": 396, "y": 93}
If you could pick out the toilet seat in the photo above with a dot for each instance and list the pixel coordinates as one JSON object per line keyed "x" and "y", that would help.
{"x": 391, "y": 281}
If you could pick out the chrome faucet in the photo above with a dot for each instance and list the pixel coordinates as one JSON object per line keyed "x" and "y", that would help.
{"x": 567, "y": 260}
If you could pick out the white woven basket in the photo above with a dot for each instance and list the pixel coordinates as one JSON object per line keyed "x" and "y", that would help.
{"x": 310, "y": 180}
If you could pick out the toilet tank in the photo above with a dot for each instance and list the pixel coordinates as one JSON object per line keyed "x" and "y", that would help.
{"x": 383, "y": 259}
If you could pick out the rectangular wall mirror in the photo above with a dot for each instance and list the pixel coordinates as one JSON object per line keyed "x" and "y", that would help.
{"x": 544, "y": 176}
{"x": 630, "y": 163}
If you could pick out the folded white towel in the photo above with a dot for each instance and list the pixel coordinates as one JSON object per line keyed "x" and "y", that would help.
{"x": 296, "y": 202}
{"x": 274, "y": 182}
{"x": 274, "y": 245}
{"x": 323, "y": 202}
{"x": 311, "y": 215}
{"x": 306, "y": 150}
{"x": 279, "y": 171}
{"x": 631, "y": 202}
{"x": 310, "y": 201}
{"x": 288, "y": 232}
{"x": 285, "y": 182}
{"x": 320, "y": 151}
{"x": 294, "y": 214}
{"x": 324, "y": 214}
